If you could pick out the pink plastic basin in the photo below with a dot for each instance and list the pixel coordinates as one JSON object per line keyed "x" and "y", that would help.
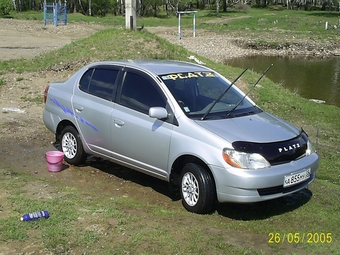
{"x": 54, "y": 160}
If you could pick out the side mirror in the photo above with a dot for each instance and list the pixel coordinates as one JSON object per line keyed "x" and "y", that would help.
{"x": 158, "y": 113}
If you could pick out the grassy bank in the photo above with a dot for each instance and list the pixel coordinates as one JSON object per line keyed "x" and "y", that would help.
{"x": 304, "y": 223}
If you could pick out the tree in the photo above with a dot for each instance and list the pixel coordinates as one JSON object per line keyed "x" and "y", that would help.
{"x": 102, "y": 7}
{"x": 224, "y": 3}
{"x": 5, "y": 7}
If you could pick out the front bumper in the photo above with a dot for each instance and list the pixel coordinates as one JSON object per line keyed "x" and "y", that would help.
{"x": 247, "y": 186}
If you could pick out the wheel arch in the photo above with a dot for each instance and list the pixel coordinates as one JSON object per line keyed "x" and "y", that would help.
{"x": 62, "y": 124}
{"x": 180, "y": 162}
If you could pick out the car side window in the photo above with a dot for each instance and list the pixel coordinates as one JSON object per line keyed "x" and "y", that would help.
{"x": 140, "y": 93}
{"x": 85, "y": 80}
{"x": 99, "y": 82}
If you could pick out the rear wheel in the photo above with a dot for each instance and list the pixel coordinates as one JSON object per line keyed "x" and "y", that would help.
{"x": 197, "y": 189}
{"x": 72, "y": 146}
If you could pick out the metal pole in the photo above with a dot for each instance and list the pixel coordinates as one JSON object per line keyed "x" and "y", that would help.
{"x": 179, "y": 26}
{"x": 45, "y": 9}
{"x": 65, "y": 12}
{"x": 56, "y": 14}
{"x": 194, "y": 24}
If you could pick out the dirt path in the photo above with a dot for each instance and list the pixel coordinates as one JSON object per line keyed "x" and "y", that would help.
{"x": 29, "y": 38}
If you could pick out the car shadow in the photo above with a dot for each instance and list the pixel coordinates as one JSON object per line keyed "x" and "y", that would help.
{"x": 244, "y": 212}
{"x": 134, "y": 176}
{"x": 266, "y": 209}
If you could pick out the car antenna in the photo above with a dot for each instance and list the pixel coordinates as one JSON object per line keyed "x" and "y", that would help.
{"x": 239, "y": 102}
{"x": 225, "y": 91}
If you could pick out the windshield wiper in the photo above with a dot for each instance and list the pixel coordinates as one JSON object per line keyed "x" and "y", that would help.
{"x": 239, "y": 102}
{"x": 219, "y": 98}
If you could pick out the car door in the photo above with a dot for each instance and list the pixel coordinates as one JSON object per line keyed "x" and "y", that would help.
{"x": 93, "y": 105}
{"x": 137, "y": 139}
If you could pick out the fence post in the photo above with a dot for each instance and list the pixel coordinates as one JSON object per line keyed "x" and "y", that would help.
{"x": 45, "y": 10}
{"x": 65, "y": 13}
{"x": 56, "y": 7}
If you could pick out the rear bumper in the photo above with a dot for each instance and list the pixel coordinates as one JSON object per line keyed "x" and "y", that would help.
{"x": 51, "y": 120}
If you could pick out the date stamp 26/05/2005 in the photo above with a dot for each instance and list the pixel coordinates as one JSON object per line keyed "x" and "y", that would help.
{"x": 297, "y": 237}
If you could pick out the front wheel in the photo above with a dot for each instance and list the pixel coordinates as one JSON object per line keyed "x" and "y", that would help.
{"x": 72, "y": 146}
{"x": 197, "y": 189}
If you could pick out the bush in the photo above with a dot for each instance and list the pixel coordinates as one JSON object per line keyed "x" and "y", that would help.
{"x": 5, "y": 7}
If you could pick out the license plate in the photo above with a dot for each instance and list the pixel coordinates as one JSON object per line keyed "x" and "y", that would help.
{"x": 296, "y": 178}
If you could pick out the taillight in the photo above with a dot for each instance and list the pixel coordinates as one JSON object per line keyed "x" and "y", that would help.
{"x": 45, "y": 93}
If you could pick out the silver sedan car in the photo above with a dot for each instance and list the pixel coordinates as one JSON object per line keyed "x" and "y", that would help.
{"x": 182, "y": 123}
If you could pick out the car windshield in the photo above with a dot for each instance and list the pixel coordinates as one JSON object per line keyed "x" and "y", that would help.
{"x": 196, "y": 92}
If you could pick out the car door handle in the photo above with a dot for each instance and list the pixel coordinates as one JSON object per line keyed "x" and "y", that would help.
{"x": 118, "y": 122}
{"x": 78, "y": 108}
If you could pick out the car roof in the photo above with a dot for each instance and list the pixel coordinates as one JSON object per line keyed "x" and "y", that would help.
{"x": 158, "y": 67}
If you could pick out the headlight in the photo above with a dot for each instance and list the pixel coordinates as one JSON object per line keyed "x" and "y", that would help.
{"x": 309, "y": 149}
{"x": 244, "y": 160}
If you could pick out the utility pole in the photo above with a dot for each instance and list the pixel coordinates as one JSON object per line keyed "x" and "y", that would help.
{"x": 130, "y": 14}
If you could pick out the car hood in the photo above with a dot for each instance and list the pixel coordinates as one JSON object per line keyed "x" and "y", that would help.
{"x": 258, "y": 128}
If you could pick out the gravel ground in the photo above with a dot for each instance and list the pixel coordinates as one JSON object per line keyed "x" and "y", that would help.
{"x": 26, "y": 39}
{"x": 211, "y": 45}
{"x": 222, "y": 46}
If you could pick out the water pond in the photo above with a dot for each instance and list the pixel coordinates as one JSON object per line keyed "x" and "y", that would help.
{"x": 311, "y": 78}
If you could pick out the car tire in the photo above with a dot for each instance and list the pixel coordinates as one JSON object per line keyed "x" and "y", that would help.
{"x": 197, "y": 189}
{"x": 72, "y": 146}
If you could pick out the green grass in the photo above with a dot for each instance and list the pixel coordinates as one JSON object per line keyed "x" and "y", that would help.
{"x": 263, "y": 20}
{"x": 120, "y": 225}
{"x": 36, "y": 99}
{"x": 117, "y": 225}
{"x": 104, "y": 45}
